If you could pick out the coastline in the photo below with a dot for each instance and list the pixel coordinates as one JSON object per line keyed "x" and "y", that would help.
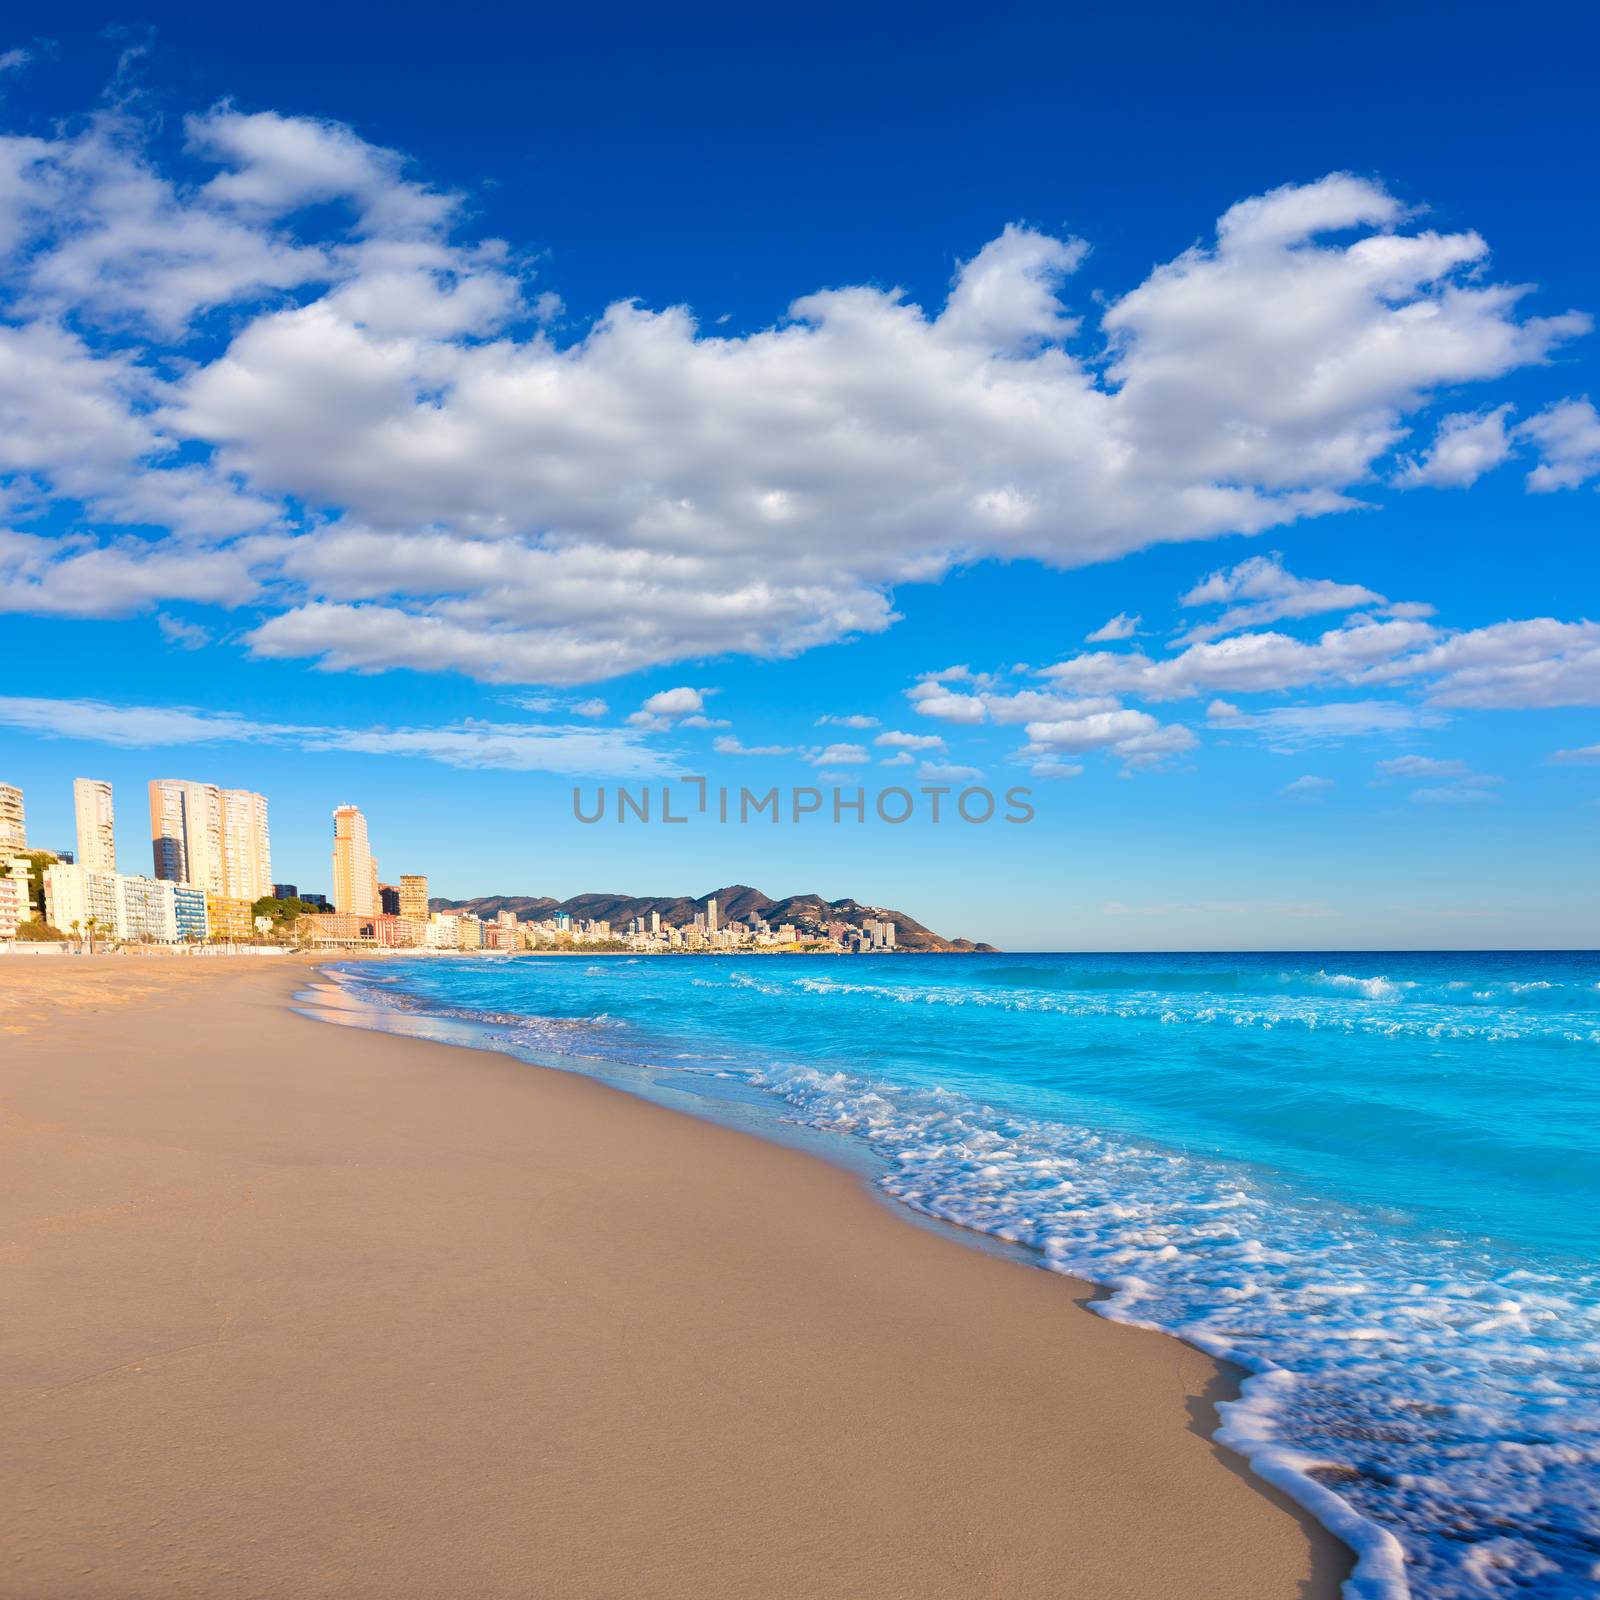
{"x": 307, "y": 1310}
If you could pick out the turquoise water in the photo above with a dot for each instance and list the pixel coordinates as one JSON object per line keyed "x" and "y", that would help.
{"x": 1373, "y": 1180}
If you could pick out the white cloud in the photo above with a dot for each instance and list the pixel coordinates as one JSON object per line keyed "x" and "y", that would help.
{"x": 1051, "y": 768}
{"x": 469, "y": 494}
{"x": 856, "y": 721}
{"x": 185, "y": 635}
{"x": 1568, "y": 438}
{"x": 839, "y": 755}
{"x": 727, "y": 745}
{"x": 910, "y": 741}
{"x": 1262, "y": 590}
{"x": 1451, "y": 795}
{"x": 1121, "y": 626}
{"x": 518, "y": 747}
{"x": 1467, "y": 445}
{"x": 1455, "y": 782}
{"x": 1536, "y": 662}
{"x": 1586, "y": 753}
{"x": 1309, "y": 786}
{"x": 1327, "y": 722}
{"x": 1423, "y": 767}
{"x": 591, "y": 708}
{"x": 903, "y": 759}
{"x": 947, "y": 772}
{"x": 698, "y": 721}
{"x": 1134, "y": 736}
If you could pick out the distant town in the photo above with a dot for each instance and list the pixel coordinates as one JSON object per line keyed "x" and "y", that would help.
{"x": 211, "y": 886}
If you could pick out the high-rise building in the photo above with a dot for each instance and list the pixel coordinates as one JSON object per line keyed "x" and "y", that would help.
{"x": 13, "y": 824}
{"x": 355, "y": 873}
{"x": 414, "y": 897}
{"x": 97, "y": 840}
{"x": 246, "y": 845}
{"x": 210, "y": 838}
{"x": 186, "y": 832}
{"x": 711, "y": 915}
{"x": 388, "y": 900}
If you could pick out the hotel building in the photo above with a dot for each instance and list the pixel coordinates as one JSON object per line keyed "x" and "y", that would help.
{"x": 414, "y": 897}
{"x": 97, "y": 839}
{"x": 355, "y": 873}
{"x": 13, "y": 824}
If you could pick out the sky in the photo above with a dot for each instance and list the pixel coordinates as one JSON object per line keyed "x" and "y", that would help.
{"x": 1188, "y": 418}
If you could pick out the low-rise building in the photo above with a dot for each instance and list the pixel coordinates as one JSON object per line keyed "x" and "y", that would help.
{"x": 189, "y": 914}
{"x": 146, "y": 910}
{"x": 80, "y": 901}
{"x": 15, "y": 906}
{"x": 230, "y": 919}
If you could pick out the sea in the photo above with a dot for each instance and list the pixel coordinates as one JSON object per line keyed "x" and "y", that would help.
{"x": 1370, "y": 1180}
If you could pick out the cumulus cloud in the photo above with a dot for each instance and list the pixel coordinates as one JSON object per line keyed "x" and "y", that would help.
{"x": 947, "y": 772}
{"x": 1536, "y": 662}
{"x": 1567, "y": 436}
{"x": 856, "y": 720}
{"x": 839, "y": 755}
{"x": 1121, "y": 626}
{"x": 396, "y": 458}
{"x": 1467, "y": 445}
{"x": 1585, "y": 753}
{"x": 517, "y": 747}
{"x": 1263, "y": 590}
{"x": 910, "y": 741}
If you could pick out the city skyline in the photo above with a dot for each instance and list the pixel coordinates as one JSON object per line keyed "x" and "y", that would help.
{"x": 1243, "y": 510}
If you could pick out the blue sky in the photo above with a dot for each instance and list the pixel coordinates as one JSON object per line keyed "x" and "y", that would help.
{"x": 377, "y": 403}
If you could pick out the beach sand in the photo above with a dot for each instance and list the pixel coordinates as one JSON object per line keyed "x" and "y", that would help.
{"x": 295, "y": 1310}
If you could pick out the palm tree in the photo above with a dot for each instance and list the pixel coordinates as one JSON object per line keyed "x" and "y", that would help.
{"x": 72, "y": 928}
{"x": 94, "y": 922}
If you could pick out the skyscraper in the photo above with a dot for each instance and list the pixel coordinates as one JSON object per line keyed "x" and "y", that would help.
{"x": 97, "y": 843}
{"x": 355, "y": 873}
{"x": 186, "y": 832}
{"x": 246, "y": 845}
{"x": 213, "y": 839}
{"x": 389, "y": 899}
{"x": 13, "y": 825}
{"x": 414, "y": 896}
{"x": 711, "y": 915}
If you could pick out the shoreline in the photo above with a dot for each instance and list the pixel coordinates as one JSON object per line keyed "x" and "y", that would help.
{"x": 330, "y": 1307}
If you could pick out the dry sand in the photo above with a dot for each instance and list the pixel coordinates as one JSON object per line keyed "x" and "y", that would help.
{"x": 293, "y": 1310}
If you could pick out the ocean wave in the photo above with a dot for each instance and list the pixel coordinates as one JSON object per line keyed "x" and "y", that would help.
{"x": 1431, "y": 1396}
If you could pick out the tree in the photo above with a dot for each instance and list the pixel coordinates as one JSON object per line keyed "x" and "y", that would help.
{"x": 37, "y": 931}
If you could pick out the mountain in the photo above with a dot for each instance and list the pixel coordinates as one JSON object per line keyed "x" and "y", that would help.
{"x": 808, "y": 912}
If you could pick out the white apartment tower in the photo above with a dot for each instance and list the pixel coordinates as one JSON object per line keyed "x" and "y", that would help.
{"x": 246, "y": 845}
{"x": 210, "y": 838}
{"x": 13, "y": 824}
{"x": 97, "y": 841}
{"x": 355, "y": 872}
{"x": 711, "y": 915}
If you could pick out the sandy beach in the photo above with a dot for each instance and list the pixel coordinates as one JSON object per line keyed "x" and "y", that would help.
{"x": 302, "y": 1311}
